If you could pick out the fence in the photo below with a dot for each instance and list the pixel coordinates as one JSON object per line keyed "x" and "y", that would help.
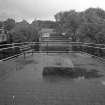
{"x": 8, "y": 51}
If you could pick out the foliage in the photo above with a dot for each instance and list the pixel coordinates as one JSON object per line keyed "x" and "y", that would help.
{"x": 44, "y": 24}
{"x": 23, "y": 32}
{"x": 9, "y": 24}
{"x": 88, "y": 25}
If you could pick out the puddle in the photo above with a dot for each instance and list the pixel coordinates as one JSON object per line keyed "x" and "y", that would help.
{"x": 72, "y": 73}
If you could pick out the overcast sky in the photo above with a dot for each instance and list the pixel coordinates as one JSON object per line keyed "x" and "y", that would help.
{"x": 43, "y": 9}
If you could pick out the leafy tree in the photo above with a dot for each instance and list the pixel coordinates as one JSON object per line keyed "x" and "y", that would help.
{"x": 87, "y": 25}
{"x": 38, "y": 24}
{"x": 9, "y": 24}
{"x": 69, "y": 22}
{"x": 93, "y": 24}
{"x": 24, "y": 32}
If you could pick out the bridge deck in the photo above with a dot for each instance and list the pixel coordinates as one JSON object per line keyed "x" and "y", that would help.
{"x": 22, "y": 82}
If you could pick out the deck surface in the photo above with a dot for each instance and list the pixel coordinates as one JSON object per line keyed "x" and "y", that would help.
{"x": 22, "y": 82}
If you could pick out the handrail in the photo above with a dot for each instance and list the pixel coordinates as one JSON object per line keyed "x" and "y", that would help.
{"x": 31, "y": 43}
{"x": 26, "y": 45}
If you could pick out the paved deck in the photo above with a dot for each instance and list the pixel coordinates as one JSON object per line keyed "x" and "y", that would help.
{"x": 22, "y": 83}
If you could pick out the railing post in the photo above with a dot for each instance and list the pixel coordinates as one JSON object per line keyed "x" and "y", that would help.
{"x": 13, "y": 45}
{"x": 47, "y": 47}
{"x": 24, "y": 53}
{"x": 32, "y": 46}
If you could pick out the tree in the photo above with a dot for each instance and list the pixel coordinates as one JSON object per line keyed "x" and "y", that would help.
{"x": 69, "y": 22}
{"x": 23, "y": 32}
{"x": 93, "y": 24}
{"x": 38, "y": 24}
{"x": 9, "y": 24}
{"x": 87, "y": 25}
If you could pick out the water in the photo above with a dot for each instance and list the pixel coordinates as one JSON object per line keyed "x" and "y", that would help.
{"x": 27, "y": 86}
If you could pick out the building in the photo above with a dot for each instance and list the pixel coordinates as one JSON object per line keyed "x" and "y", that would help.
{"x": 3, "y": 35}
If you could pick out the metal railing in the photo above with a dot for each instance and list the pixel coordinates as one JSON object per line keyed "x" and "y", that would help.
{"x": 8, "y": 51}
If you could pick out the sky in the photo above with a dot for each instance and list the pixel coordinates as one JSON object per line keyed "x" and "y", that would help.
{"x": 43, "y": 9}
